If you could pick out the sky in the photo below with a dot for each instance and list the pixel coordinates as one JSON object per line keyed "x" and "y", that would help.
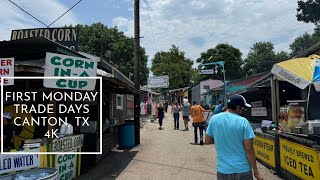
{"x": 192, "y": 25}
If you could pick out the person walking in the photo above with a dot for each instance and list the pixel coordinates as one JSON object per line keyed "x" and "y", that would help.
{"x": 185, "y": 112}
{"x": 160, "y": 115}
{"x": 233, "y": 137}
{"x": 166, "y": 105}
{"x": 154, "y": 110}
{"x": 207, "y": 115}
{"x": 196, "y": 111}
{"x": 218, "y": 108}
{"x": 175, "y": 111}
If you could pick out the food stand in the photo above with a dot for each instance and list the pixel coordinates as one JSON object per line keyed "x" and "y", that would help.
{"x": 291, "y": 147}
{"x": 30, "y": 62}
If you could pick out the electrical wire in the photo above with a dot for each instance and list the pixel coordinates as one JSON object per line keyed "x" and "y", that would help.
{"x": 28, "y": 13}
{"x": 154, "y": 39}
{"x": 65, "y": 13}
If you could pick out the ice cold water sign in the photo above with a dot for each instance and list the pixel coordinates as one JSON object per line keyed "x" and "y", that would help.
{"x": 18, "y": 162}
{"x": 58, "y": 65}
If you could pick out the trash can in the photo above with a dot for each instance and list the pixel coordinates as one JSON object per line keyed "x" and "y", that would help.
{"x": 34, "y": 174}
{"x": 126, "y": 136}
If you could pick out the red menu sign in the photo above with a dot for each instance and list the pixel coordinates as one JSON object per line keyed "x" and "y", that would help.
{"x": 7, "y": 70}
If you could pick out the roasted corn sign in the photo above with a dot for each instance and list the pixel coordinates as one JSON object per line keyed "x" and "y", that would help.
{"x": 64, "y": 36}
{"x": 300, "y": 160}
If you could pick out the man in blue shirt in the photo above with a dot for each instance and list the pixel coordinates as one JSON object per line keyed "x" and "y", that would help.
{"x": 233, "y": 137}
{"x": 218, "y": 108}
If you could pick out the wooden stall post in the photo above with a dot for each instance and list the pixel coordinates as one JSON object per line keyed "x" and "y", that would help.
{"x": 273, "y": 101}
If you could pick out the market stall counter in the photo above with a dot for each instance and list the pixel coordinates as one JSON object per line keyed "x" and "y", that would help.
{"x": 66, "y": 165}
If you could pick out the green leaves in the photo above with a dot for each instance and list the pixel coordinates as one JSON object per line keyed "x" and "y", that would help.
{"x": 227, "y": 53}
{"x": 115, "y": 47}
{"x": 262, "y": 57}
{"x": 308, "y": 11}
{"x": 174, "y": 64}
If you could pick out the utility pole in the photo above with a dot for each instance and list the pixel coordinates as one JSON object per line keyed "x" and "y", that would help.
{"x": 137, "y": 71}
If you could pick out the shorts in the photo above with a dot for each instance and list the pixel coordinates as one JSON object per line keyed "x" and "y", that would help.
{"x": 185, "y": 117}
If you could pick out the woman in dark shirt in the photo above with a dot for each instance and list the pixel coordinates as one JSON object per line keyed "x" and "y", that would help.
{"x": 160, "y": 115}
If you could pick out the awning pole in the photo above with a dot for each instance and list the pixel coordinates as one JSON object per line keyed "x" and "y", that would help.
{"x": 307, "y": 110}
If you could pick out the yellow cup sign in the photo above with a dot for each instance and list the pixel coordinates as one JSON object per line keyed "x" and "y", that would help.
{"x": 299, "y": 160}
{"x": 264, "y": 149}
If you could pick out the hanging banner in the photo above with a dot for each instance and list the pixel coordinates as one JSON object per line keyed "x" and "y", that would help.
{"x": 299, "y": 160}
{"x": 158, "y": 82}
{"x": 264, "y": 149}
{"x": 58, "y": 65}
{"x": 12, "y": 163}
{"x": 7, "y": 70}
{"x": 65, "y": 36}
{"x": 205, "y": 71}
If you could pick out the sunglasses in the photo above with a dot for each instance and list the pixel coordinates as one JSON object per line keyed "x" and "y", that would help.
{"x": 243, "y": 109}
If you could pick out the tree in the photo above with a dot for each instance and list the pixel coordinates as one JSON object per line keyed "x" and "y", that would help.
{"x": 301, "y": 43}
{"x": 227, "y": 53}
{"x": 114, "y": 46}
{"x": 174, "y": 64}
{"x": 308, "y": 11}
{"x": 262, "y": 57}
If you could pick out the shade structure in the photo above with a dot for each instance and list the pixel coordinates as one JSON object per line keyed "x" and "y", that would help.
{"x": 300, "y": 72}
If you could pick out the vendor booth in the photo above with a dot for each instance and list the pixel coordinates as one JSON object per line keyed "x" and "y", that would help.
{"x": 29, "y": 57}
{"x": 288, "y": 138}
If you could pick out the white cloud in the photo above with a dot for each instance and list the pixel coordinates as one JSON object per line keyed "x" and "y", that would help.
{"x": 11, "y": 17}
{"x": 238, "y": 22}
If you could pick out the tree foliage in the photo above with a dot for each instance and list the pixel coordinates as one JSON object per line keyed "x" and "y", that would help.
{"x": 305, "y": 41}
{"x": 262, "y": 57}
{"x": 308, "y": 11}
{"x": 231, "y": 57}
{"x": 114, "y": 46}
{"x": 174, "y": 64}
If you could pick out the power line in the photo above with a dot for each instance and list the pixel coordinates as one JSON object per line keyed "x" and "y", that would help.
{"x": 28, "y": 13}
{"x": 65, "y": 12}
{"x": 154, "y": 39}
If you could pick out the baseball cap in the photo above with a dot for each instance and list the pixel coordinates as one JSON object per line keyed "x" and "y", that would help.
{"x": 238, "y": 100}
{"x": 7, "y": 115}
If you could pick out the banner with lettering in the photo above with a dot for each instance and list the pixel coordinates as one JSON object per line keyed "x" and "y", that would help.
{"x": 18, "y": 162}
{"x": 66, "y": 165}
{"x": 7, "y": 70}
{"x": 299, "y": 160}
{"x": 264, "y": 149}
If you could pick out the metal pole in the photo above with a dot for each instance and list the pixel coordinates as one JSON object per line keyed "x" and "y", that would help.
{"x": 225, "y": 85}
{"x": 137, "y": 71}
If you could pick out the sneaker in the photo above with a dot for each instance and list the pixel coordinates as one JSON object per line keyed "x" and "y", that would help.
{"x": 201, "y": 142}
